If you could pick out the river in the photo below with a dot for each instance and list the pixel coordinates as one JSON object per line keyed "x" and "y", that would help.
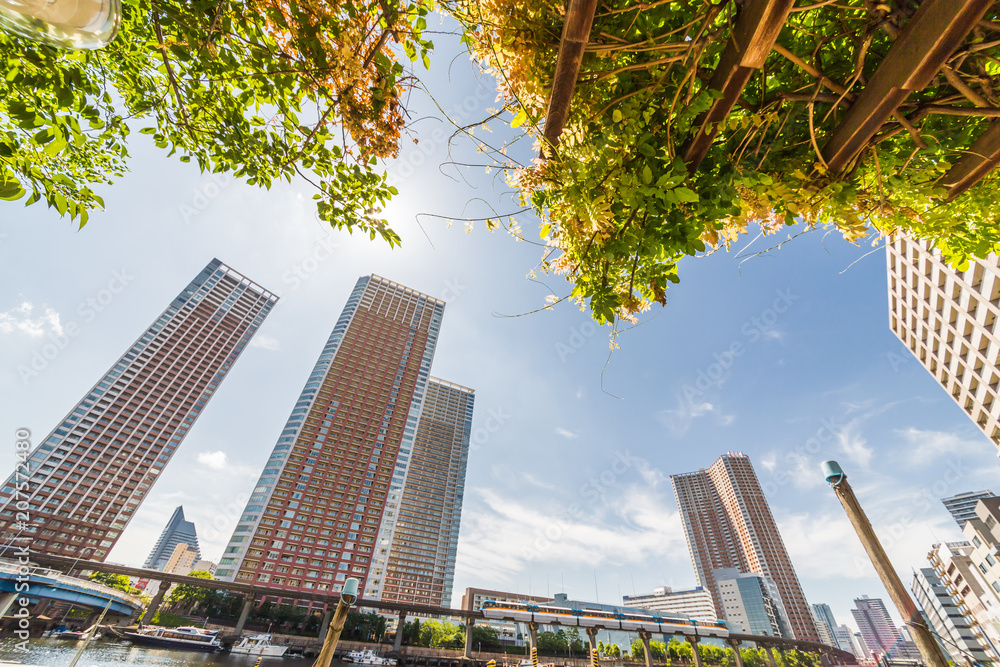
{"x": 59, "y": 653}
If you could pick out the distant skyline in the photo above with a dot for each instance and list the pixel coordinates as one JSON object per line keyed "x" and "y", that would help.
{"x": 786, "y": 356}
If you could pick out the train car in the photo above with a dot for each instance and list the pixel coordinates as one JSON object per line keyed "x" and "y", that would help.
{"x": 599, "y": 618}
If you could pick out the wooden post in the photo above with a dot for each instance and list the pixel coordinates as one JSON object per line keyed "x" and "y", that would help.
{"x": 922, "y": 636}
{"x": 347, "y": 599}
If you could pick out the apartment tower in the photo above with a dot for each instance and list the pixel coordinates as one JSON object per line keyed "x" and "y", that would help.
{"x": 877, "y": 629}
{"x": 327, "y": 505}
{"x": 728, "y": 524}
{"x": 177, "y": 531}
{"x": 89, "y": 475}
{"x": 963, "y": 506}
{"x": 421, "y": 564}
{"x": 947, "y": 318}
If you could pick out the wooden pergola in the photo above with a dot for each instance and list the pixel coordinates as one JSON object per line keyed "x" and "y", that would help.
{"x": 919, "y": 53}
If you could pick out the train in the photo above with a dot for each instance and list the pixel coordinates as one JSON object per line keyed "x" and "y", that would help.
{"x": 607, "y": 620}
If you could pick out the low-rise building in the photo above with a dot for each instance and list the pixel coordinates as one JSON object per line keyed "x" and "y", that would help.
{"x": 694, "y": 603}
{"x": 751, "y": 601}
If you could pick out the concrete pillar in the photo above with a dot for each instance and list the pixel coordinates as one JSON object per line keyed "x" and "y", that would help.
{"x": 736, "y": 650}
{"x": 592, "y": 638}
{"x": 644, "y": 636}
{"x": 247, "y": 606}
{"x": 397, "y": 644}
{"x": 770, "y": 656}
{"x": 693, "y": 641}
{"x": 533, "y": 637}
{"x": 469, "y": 624}
{"x": 324, "y": 625}
{"x": 147, "y": 617}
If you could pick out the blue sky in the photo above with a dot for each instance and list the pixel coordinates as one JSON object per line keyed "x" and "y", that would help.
{"x": 568, "y": 480}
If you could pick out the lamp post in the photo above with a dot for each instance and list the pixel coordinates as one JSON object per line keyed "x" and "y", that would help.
{"x": 901, "y": 598}
{"x": 347, "y": 599}
{"x": 71, "y": 24}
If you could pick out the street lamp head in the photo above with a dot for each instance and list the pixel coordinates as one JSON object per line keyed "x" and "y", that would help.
{"x": 70, "y": 24}
{"x": 350, "y": 593}
{"x": 833, "y": 472}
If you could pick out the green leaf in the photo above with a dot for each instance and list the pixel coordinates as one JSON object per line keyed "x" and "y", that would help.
{"x": 686, "y": 194}
{"x": 647, "y": 175}
{"x": 616, "y": 116}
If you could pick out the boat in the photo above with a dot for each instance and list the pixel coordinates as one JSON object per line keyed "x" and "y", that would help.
{"x": 185, "y": 638}
{"x": 367, "y": 657}
{"x": 259, "y": 645}
{"x": 60, "y": 632}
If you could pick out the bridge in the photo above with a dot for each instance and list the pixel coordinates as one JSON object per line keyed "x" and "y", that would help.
{"x": 44, "y": 584}
{"x": 252, "y": 592}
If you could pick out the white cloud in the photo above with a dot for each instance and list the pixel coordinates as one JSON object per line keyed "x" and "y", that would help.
{"x": 265, "y": 342}
{"x": 679, "y": 420}
{"x": 18, "y": 320}
{"x": 566, "y": 433}
{"x": 925, "y": 447}
{"x": 213, "y": 460}
{"x": 853, "y": 445}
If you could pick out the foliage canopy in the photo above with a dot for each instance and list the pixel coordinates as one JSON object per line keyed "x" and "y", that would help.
{"x": 618, "y": 205}
{"x": 265, "y": 89}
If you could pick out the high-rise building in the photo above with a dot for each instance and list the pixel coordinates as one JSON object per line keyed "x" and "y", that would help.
{"x": 752, "y": 602}
{"x": 824, "y": 615}
{"x": 89, "y": 475}
{"x": 877, "y": 628}
{"x": 178, "y": 530}
{"x": 963, "y": 506}
{"x": 421, "y": 564}
{"x": 963, "y": 580}
{"x": 824, "y": 630}
{"x": 843, "y": 638}
{"x": 182, "y": 560}
{"x": 728, "y": 524}
{"x": 947, "y": 320}
{"x": 327, "y": 503}
{"x": 695, "y": 603}
{"x": 944, "y": 615}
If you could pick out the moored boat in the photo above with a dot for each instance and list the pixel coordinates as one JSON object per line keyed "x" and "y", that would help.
{"x": 367, "y": 657}
{"x": 184, "y": 638}
{"x": 259, "y": 645}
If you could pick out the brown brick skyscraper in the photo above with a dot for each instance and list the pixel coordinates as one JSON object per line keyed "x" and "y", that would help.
{"x": 90, "y": 474}
{"x": 728, "y": 523}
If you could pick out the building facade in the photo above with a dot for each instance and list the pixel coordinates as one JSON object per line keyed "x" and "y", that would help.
{"x": 953, "y": 564}
{"x": 728, "y": 524}
{"x": 824, "y": 630}
{"x": 946, "y": 618}
{"x": 751, "y": 601}
{"x": 421, "y": 563}
{"x": 963, "y": 506}
{"x": 327, "y": 503}
{"x": 695, "y": 603}
{"x": 91, "y": 473}
{"x": 877, "y": 629}
{"x": 947, "y": 320}
{"x": 178, "y": 530}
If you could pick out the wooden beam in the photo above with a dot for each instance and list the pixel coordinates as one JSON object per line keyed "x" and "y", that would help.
{"x": 576, "y": 34}
{"x": 982, "y": 157}
{"x": 918, "y": 54}
{"x": 753, "y": 36}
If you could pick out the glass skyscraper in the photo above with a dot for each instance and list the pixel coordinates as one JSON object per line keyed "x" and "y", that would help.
{"x": 177, "y": 531}
{"x": 89, "y": 475}
{"x": 329, "y": 502}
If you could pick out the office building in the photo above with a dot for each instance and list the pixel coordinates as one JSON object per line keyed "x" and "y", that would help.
{"x": 963, "y": 506}
{"x": 728, "y": 524}
{"x": 843, "y": 638}
{"x": 877, "y": 629}
{"x": 178, "y": 530}
{"x": 182, "y": 560}
{"x": 824, "y": 630}
{"x": 952, "y": 563}
{"x": 823, "y": 617}
{"x": 695, "y": 603}
{"x": 421, "y": 564}
{"x": 90, "y": 474}
{"x": 752, "y": 602}
{"x": 947, "y": 320}
{"x": 327, "y": 504}
{"x": 945, "y": 617}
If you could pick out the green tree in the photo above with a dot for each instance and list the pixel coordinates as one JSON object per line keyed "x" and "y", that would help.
{"x": 441, "y": 634}
{"x": 753, "y": 657}
{"x": 119, "y": 582}
{"x": 185, "y": 598}
{"x": 576, "y": 642}
{"x": 485, "y": 637}
{"x": 364, "y": 625}
{"x": 265, "y": 90}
